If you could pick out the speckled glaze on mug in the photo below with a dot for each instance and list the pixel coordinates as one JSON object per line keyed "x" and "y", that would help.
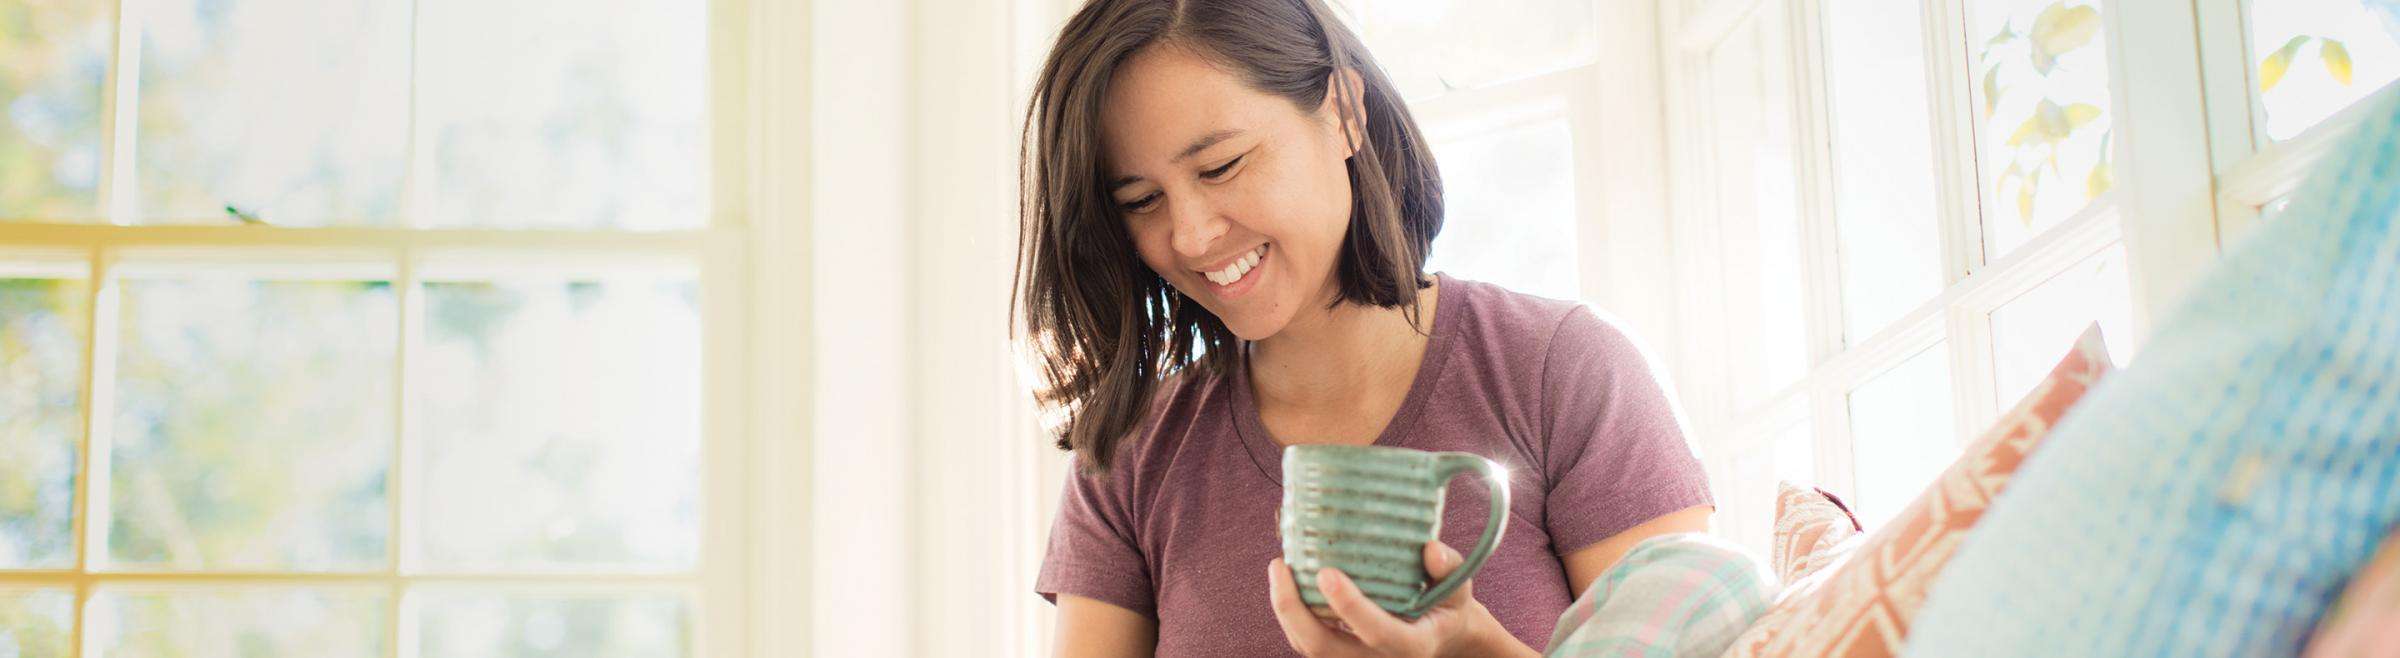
{"x": 1368, "y": 511}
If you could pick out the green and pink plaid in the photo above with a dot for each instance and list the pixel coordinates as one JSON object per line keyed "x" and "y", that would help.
{"x": 1673, "y": 596}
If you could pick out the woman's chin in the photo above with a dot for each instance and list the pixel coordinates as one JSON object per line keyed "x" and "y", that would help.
{"x": 1253, "y": 329}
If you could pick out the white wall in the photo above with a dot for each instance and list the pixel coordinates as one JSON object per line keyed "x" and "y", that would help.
{"x": 860, "y": 283}
{"x": 926, "y": 488}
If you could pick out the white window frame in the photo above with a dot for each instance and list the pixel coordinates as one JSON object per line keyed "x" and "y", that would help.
{"x": 1957, "y": 318}
{"x": 2193, "y": 169}
{"x": 734, "y": 257}
{"x": 2250, "y": 169}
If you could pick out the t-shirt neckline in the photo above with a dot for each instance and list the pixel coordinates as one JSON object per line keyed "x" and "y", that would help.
{"x": 1269, "y": 456}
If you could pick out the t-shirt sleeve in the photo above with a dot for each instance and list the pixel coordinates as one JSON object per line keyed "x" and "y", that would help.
{"x": 1092, "y": 550}
{"x": 1616, "y": 455}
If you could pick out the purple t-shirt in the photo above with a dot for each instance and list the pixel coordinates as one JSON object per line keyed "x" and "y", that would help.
{"x": 1182, "y": 527}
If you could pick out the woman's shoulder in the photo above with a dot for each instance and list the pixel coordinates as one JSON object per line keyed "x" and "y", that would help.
{"x": 1533, "y": 326}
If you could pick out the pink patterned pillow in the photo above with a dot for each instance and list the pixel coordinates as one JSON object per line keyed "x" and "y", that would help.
{"x": 2366, "y": 622}
{"x": 1810, "y": 528}
{"x": 1861, "y": 605}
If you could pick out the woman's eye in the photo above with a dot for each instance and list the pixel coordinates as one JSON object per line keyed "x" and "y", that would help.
{"x": 1219, "y": 172}
{"x": 1139, "y": 205}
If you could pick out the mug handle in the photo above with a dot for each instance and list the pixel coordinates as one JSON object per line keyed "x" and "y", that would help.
{"x": 1450, "y": 465}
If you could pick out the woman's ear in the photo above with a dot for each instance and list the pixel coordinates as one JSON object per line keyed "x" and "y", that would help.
{"x": 1345, "y": 107}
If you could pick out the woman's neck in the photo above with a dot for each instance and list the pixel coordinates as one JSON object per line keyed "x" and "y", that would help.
{"x": 1349, "y": 358}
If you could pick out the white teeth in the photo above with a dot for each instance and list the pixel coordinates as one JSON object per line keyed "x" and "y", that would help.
{"x": 1238, "y": 269}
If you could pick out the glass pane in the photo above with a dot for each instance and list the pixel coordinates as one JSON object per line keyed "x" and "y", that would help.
{"x": 41, "y": 413}
{"x": 53, "y": 71}
{"x": 1901, "y": 433}
{"x": 1757, "y": 205}
{"x": 466, "y": 624}
{"x": 2032, "y": 332}
{"x": 1882, "y": 161}
{"x": 579, "y": 403}
{"x": 2315, "y": 57}
{"x": 2043, "y": 80}
{"x": 1432, "y": 46}
{"x": 253, "y": 427}
{"x": 562, "y": 113}
{"x": 293, "y": 112}
{"x": 1796, "y": 454}
{"x": 1509, "y": 197}
{"x": 250, "y": 623}
{"x": 1747, "y": 492}
{"x": 36, "y": 623}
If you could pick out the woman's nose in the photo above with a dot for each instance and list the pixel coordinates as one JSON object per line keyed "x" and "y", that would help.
{"x": 1197, "y": 227}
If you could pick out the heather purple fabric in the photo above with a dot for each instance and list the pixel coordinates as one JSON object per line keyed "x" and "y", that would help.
{"x": 1182, "y": 527}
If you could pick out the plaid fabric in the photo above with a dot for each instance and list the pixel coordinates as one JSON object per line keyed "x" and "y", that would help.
{"x": 1673, "y": 596}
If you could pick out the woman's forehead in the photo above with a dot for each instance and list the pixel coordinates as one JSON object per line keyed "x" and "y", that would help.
{"x": 1163, "y": 100}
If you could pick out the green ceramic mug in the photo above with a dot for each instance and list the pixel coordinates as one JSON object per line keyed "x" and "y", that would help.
{"x": 1368, "y": 511}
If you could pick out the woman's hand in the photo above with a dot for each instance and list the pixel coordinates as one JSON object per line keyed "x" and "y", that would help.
{"x": 1457, "y": 626}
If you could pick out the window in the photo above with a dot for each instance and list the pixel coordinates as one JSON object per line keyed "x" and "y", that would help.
{"x": 2283, "y": 78}
{"x": 1498, "y": 93}
{"x": 362, "y": 328}
{"x": 1892, "y": 217}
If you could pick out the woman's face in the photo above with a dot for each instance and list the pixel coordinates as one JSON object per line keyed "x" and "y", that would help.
{"x": 1236, "y": 197}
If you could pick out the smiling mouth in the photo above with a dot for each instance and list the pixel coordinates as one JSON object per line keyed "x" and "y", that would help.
{"x": 1233, "y": 272}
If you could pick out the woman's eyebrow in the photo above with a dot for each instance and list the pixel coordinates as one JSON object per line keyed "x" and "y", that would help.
{"x": 1197, "y": 146}
{"x": 1204, "y": 142}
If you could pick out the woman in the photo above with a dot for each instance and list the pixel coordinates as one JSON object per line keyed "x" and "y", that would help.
{"x": 1227, "y": 214}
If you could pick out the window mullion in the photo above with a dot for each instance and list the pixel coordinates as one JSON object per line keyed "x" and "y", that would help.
{"x": 1820, "y": 229}
{"x": 1971, "y": 368}
{"x": 1829, "y": 416}
{"x": 1949, "y": 65}
{"x": 2233, "y": 109}
{"x": 121, "y": 110}
{"x": 399, "y": 486}
{"x": 2166, "y": 178}
{"x": 98, "y": 324}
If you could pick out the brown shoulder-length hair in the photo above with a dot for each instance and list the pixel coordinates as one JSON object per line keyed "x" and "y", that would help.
{"x": 1105, "y": 329}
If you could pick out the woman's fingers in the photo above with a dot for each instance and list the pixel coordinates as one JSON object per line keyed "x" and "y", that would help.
{"x": 1440, "y": 560}
{"x": 1370, "y": 623}
{"x": 1300, "y": 627}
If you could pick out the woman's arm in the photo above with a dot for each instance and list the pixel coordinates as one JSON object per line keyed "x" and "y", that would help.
{"x": 1586, "y": 565}
{"x": 1089, "y": 628}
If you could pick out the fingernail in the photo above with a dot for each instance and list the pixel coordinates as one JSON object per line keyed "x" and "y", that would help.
{"x": 1328, "y": 579}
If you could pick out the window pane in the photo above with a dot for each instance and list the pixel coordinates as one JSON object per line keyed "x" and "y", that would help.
{"x": 2315, "y": 57}
{"x": 253, "y": 427}
{"x": 251, "y": 623}
{"x": 1432, "y": 46}
{"x": 1748, "y": 488}
{"x": 2032, "y": 332}
{"x": 1883, "y": 161}
{"x": 1757, "y": 208}
{"x": 291, "y": 111}
{"x": 1901, "y": 434}
{"x": 1796, "y": 454}
{"x": 41, "y": 411}
{"x": 562, "y": 113}
{"x": 1509, "y": 200}
{"x": 468, "y": 624}
{"x": 579, "y": 403}
{"x": 53, "y": 67}
{"x": 2043, "y": 76}
{"x": 36, "y": 623}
